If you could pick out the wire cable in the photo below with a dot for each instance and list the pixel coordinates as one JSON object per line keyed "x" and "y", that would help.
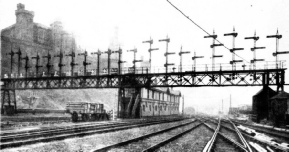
{"x": 204, "y": 29}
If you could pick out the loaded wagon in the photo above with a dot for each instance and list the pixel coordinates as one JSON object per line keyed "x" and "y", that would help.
{"x": 86, "y": 111}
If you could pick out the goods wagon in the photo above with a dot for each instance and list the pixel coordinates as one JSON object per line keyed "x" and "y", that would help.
{"x": 86, "y": 111}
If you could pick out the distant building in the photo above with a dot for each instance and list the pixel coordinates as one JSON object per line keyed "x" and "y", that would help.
{"x": 241, "y": 109}
{"x": 32, "y": 38}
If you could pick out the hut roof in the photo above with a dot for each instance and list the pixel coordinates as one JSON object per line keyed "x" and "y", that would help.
{"x": 282, "y": 95}
{"x": 262, "y": 90}
{"x": 168, "y": 90}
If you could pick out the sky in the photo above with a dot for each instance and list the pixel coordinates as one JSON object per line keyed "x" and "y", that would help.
{"x": 94, "y": 24}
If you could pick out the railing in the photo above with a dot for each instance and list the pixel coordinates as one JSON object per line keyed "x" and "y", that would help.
{"x": 160, "y": 69}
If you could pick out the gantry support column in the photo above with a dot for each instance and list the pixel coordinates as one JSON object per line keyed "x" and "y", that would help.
{"x": 7, "y": 96}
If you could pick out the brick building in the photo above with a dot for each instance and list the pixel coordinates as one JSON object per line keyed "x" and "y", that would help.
{"x": 32, "y": 38}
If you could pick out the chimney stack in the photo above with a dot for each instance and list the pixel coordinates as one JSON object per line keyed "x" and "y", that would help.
{"x": 23, "y": 16}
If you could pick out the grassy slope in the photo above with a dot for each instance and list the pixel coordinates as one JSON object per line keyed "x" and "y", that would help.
{"x": 57, "y": 99}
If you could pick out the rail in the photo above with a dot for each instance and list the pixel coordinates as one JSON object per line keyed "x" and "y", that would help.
{"x": 140, "y": 138}
{"x": 210, "y": 143}
{"x": 245, "y": 143}
{"x": 18, "y": 139}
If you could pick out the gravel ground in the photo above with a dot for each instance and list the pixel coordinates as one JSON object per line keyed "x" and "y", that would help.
{"x": 222, "y": 145}
{"x": 213, "y": 125}
{"x": 196, "y": 140}
{"x": 144, "y": 144}
{"x": 96, "y": 141}
{"x": 229, "y": 125}
{"x": 24, "y": 120}
{"x": 231, "y": 134}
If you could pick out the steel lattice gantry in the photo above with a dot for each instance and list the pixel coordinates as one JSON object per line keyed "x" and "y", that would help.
{"x": 178, "y": 79}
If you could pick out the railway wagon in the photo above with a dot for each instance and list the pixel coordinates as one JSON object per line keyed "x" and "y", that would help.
{"x": 86, "y": 111}
{"x": 152, "y": 102}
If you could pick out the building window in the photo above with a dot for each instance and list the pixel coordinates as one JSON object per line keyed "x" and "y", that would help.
{"x": 146, "y": 104}
{"x": 144, "y": 93}
{"x": 156, "y": 95}
{"x": 156, "y": 108}
{"x": 150, "y": 94}
{"x": 150, "y": 108}
{"x": 165, "y": 97}
{"x": 143, "y": 108}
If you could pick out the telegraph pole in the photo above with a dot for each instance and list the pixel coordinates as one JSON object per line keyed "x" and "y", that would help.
{"x": 48, "y": 65}
{"x": 11, "y": 61}
{"x": 230, "y": 109}
{"x": 98, "y": 53}
{"x": 37, "y": 66}
{"x": 181, "y": 58}
{"x": 233, "y": 62}
{"x": 222, "y": 107}
{"x": 60, "y": 65}
{"x": 19, "y": 60}
{"x": 213, "y": 49}
{"x": 277, "y": 36}
{"x": 167, "y": 40}
{"x": 119, "y": 51}
{"x": 150, "y": 51}
{"x": 134, "y": 59}
{"x": 255, "y": 38}
{"x": 85, "y": 63}
{"x": 108, "y": 60}
{"x": 72, "y": 63}
{"x": 26, "y": 65}
{"x": 183, "y": 111}
{"x": 195, "y": 61}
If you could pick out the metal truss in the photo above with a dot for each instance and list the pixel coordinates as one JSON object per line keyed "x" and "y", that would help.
{"x": 179, "y": 79}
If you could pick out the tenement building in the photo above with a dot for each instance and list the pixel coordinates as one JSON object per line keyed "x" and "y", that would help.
{"x": 34, "y": 39}
{"x": 31, "y": 39}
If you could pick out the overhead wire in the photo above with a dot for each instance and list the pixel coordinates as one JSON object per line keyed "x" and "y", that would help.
{"x": 204, "y": 29}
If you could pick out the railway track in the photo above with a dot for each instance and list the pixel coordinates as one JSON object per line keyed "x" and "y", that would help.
{"x": 229, "y": 131}
{"x": 282, "y": 135}
{"x": 221, "y": 142}
{"x": 195, "y": 140}
{"x": 250, "y": 140}
{"x": 60, "y": 133}
{"x": 152, "y": 141}
{"x": 173, "y": 138}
